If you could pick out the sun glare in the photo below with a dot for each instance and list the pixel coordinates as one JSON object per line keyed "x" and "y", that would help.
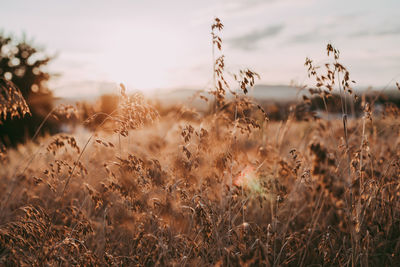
{"x": 142, "y": 57}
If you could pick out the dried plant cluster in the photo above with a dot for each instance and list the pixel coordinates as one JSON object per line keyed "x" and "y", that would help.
{"x": 12, "y": 103}
{"x": 226, "y": 188}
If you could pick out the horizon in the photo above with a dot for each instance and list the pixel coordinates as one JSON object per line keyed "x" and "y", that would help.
{"x": 270, "y": 91}
{"x": 155, "y": 46}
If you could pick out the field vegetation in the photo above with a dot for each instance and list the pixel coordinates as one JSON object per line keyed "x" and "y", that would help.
{"x": 147, "y": 186}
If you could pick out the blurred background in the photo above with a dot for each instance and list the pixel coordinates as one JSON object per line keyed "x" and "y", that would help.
{"x": 64, "y": 51}
{"x": 152, "y": 45}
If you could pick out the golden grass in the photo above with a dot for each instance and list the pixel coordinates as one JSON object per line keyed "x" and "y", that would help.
{"x": 226, "y": 188}
{"x": 12, "y": 103}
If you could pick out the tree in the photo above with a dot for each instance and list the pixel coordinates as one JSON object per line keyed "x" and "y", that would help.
{"x": 23, "y": 65}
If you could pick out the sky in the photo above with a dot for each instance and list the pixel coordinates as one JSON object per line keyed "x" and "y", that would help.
{"x": 161, "y": 45}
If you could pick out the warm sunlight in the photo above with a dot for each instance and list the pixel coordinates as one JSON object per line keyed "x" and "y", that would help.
{"x": 143, "y": 57}
{"x": 200, "y": 133}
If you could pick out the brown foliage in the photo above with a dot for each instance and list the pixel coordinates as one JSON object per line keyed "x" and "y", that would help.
{"x": 227, "y": 189}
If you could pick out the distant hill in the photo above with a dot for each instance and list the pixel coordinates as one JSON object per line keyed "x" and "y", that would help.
{"x": 260, "y": 92}
{"x": 274, "y": 92}
{"x": 90, "y": 91}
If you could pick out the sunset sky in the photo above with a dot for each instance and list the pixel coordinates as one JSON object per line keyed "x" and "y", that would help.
{"x": 152, "y": 45}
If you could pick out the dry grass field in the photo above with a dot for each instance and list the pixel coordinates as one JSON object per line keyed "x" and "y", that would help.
{"x": 226, "y": 188}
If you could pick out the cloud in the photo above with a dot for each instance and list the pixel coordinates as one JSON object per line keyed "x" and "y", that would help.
{"x": 250, "y": 40}
{"x": 305, "y": 37}
{"x": 240, "y": 5}
{"x": 379, "y": 32}
{"x": 321, "y": 27}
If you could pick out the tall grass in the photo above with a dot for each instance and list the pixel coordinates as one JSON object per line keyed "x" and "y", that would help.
{"x": 226, "y": 187}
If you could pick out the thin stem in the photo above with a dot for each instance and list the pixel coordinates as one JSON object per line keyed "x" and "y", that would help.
{"x": 32, "y": 157}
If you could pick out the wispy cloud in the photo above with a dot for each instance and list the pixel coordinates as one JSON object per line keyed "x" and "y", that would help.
{"x": 240, "y": 5}
{"x": 377, "y": 32}
{"x": 305, "y": 37}
{"x": 252, "y": 39}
